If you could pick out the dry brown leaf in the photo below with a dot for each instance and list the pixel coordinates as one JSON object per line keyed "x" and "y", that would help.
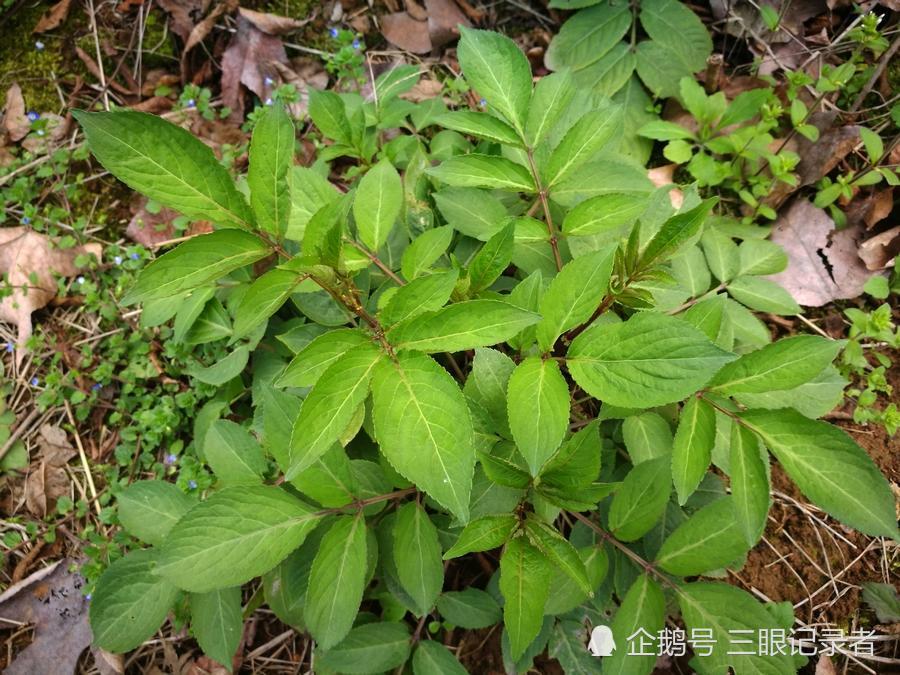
{"x": 15, "y": 122}
{"x": 423, "y": 90}
{"x": 824, "y": 666}
{"x": 202, "y": 29}
{"x": 53, "y": 16}
{"x": 30, "y": 261}
{"x": 819, "y": 158}
{"x": 664, "y": 175}
{"x": 273, "y": 24}
{"x": 183, "y": 15}
{"x": 879, "y": 251}
{"x": 444, "y": 17}
{"x": 419, "y": 30}
{"x": 871, "y": 208}
{"x": 823, "y": 263}
{"x": 149, "y": 229}
{"x": 248, "y": 61}
{"x": 94, "y": 70}
{"x": 54, "y": 446}
{"x": 49, "y": 481}
{"x": 50, "y": 599}
{"x": 405, "y": 32}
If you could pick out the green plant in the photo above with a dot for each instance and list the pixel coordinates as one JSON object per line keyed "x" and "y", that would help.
{"x": 516, "y": 349}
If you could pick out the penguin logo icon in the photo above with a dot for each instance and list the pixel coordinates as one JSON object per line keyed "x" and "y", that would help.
{"x": 602, "y": 642}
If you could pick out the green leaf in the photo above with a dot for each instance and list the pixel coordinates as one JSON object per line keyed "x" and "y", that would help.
{"x": 424, "y": 294}
{"x": 737, "y": 621}
{"x": 265, "y": 296}
{"x": 785, "y": 364}
{"x": 130, "y": 602}
{"x": 643, "y": 607}
{"x": 328, "y": 113}
{"x": 831, "y": 470}
{"x": 494, "y": 66}
{"x": 647, "y": 436}
{"x": 635, "y": 102}
{"x": 648, "y": 360}
{"x": 814, "y": 399}
{"x": 708, "y": 540}
{"x": 574, "y": 294}
{"x": 316, "y": 357}
{"x": 470, "y": 608}
{"x": 504, "y": 472}
{"x": 759, "y": 256}
{"x": 691, "y": 451}
{"x": 552, "y": 95}
{"x": 661, "y": 67}
{"x": 475, "y": 213}
{"x": 369, "y": 648}
{"x": 379, "y": 197}
{"x": 271, "y": 157}
{"x": 196, "y": 262}
{"x": 309, "y": 192}
{"x": 672, "y": 24}
{"x": 604, "y": 213}
{"x": 463, "y": 325}
{"x": 285, "y": 585}
{"x": 582, "y": 142}
{"x": 577, "y": 462}
{"x": 538, "y": 409}
{"x": 610, "y": 73}
{"x": 660, "y": 130}
{"x": 395, "y": 81}
{"x": 235, "y": 535}
{"x": 487, "y": 384}
{"x": 676, "y": 232}
{"x": 417, "y": 555}
{"x": 483, "y": 534}
{"x": 330, "y": 480}
{"x": 337, "y": 581}
{"x": 224, "y": 370}
{"x": 749, "y": 483}
{"x": 233, "y": 454}
{"x": 331, "y": 405}
{"x": 641, "y": 500}
{"x": 149, "y": 509}
{"x": 559, "y": 552}
{"x": 423, "y": 427}
{"x": 424, "y": 251}
{"x": 884, "y": 599}
{"x": 217, "y": 623}
{"x": 433, "y": 658}
{"x": 166, "y": 163}
{"x": 483, "y": 171}
{"x": 481, "y": 125}
{"x": 763, "y": 295}
{"x": 525, "y": 584}
{"x": 722, "y": 255}
{"x": 587, "y": 36}
{"x": 493, "y": 258}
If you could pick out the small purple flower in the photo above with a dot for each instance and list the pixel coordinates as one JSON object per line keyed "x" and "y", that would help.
{"x": 356, "y": 44}
{"x": 96, "y": 386}
{"x": 88, "y": 597}
{"x": 80, "y": 280}
{"x": 33, "y": 116}
{"x": 10, "y": 347}
{"x": 482, "y": 103}
{"x": 192, "y": 485}
{"x": 269, "y": 101}
{"x": 26, "y": 220}
{"x": 135, "y": 256}
{"x": 35, "y": 382}
{"x": 39, "y": 45}
{"x": 334, "y": 32}
{"x": 191, "y": 103}
{"x": 170, "y": 459}
{"x": 118, "y": 260}
{"x": 268, "y": 81}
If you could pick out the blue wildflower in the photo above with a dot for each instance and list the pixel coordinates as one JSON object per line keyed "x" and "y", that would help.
{"x": 171, "y": 459}
{"x": 192, "y": 485}
{"x": 80, "y": 280}
{"x": 135, "y": 256}
{"x": 39, "y": 45}
{"x": 35, "y": 382}
{"x": 96, "y": 386}
{"x": 269, "y": 101}
{"x": 334, "y": 32}
{"x": 10, "y": 347}
{"x": 191, "y": 103}
{"x": 33, "y": 116}
{"x": 268, "y": 81}
{"x": 88, "y": 597}
{"x": 25, "y": 220}
{"x": 356, "y": 44}
{"x": 482, "y": 103}
{"x": 118, "y": 260}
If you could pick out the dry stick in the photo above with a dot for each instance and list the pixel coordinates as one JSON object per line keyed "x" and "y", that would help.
{"x": 879, "y": 69}
{"x": 20, "y": 429}
{"x": 93, "y": 16}
{"x": 84, "y": 462}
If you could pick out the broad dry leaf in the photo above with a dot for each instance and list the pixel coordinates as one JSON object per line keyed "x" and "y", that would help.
{"x": 878, "y": 252}
{"x": 248, "y": 61}
{"x": 30, "y": 261}
{"x": 419, "y": 30}
{"x": 51, "y": 599}
{"x": 183, "y": 15}
{"x": 405, "y": 32}
{"x": 444, "y": 18}
{"x": 15, "y": 122}
{"x": 53, "y": 16}
{"x": 202, "y": 29}
{"x": 823, "y": 263}
{"x": 150, "y": 229}
{"x": 273, "y": 24}
{"x": 48, "y": 481}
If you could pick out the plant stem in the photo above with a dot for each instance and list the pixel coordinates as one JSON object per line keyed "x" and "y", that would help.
{"x": 376, "y": 261}
{"x": 542, "y": 193}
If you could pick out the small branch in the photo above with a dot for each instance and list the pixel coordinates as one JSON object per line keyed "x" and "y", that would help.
{"x": 376, "y": 261}
{"x": 542, "y": 194}
{"x": 879, "y": 69}
{"x": 578, "y": 330}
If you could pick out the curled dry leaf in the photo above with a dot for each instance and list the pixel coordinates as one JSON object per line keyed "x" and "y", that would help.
{"x": 879, "y": 251}
{"x": 248, "y": 61}
{"x": 48, "y": 481}
{"x": 53, "y": 16}
{"x": 15, "y": 122}
{"x": 823, "y": 263}
{"x": 273, "y": 24}
{"x": 664, "y": 175}
{"x": 30, "y": 261}
{"x": 183, "y": 15}
{"x": 51, "y": 599}
{"x": 419, "y": 32}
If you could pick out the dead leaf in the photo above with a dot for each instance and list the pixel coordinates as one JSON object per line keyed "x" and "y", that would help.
{"x": 879, "y": 251}
{"x": 824, "y": 666}
{"x": 823, "y": 263}
{"x": 107, "y": 663}
{"x": 54, "y": 445}
{"x": 405, "y": 32}
{"x": 30, "y": 261}
{"x": 664, "y": 175}
{"x": 872, "y": 208}
{"x": 53, "y": 16}
{"x": 415, "y": 10}
{"x": 149, "y": 229}
{"x": 94, "y": 70}
{"x": 201, "y": 30}
{"x": 15, "y": 121}
{"x": 423, "y": 90}
{"x": 248, "y": 61}
{"x": 420, "y": 31}
{"x": 204, "y": 665}
{"x": 49, "y": 481}
{"x": 50, "y": 599}
{"x": 273, "y": 24}
{"x": 444, "y": 18}
{"x": 183, "y": 15}
{"x": 818, "y": 158}
{"x": 155, "y": 105}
